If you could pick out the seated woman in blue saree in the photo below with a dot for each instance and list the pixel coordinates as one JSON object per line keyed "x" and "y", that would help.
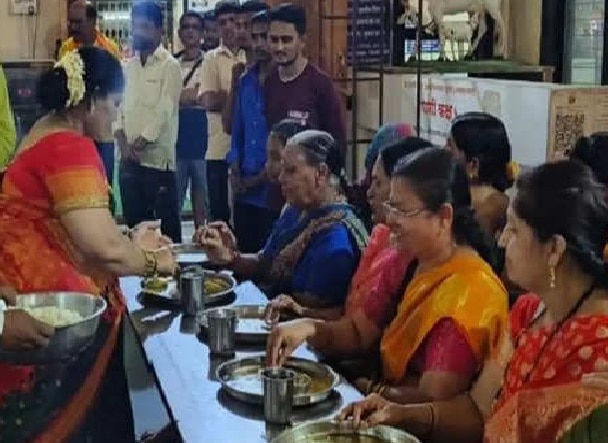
{"x": 315, "y": 245}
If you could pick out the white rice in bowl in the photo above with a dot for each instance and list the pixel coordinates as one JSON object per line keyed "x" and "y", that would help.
{"x": 54, "y": 316}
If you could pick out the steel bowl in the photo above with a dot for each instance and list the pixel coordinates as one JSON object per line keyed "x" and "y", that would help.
{"x": 68, "y": 341}
{"x": 329, "y": 431}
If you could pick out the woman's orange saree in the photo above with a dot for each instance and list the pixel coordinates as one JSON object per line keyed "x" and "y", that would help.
{"x": 464, "y": 290}
{"x": 542, "y": 397}
{"x": 59, "y": 173}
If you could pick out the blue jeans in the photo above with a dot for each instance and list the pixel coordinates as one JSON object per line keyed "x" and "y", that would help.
{"x": 193, "y": 172}
{"x": 106, "y": 152}
{"x": 217, "y": 188}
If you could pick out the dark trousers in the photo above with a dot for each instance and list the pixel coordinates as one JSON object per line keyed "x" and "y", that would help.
{"x": 106, "y": 152}
{"x": 217, "y": 190}
{"x": 150, "y": 194}
{"x": 252, "y": 226}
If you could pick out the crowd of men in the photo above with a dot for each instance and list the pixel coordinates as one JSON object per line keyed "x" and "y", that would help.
{"x": 200, "y": 119}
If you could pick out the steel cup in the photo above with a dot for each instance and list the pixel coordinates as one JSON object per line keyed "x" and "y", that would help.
{"x": 192, "y": 292}
{"x": 221, "y": 331}
{"x": 278, "y": 394}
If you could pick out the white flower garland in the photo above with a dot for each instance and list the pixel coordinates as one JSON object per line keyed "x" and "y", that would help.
{"x": 73, "y": 66}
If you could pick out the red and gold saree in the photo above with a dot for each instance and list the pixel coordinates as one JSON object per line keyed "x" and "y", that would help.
{"x": 61, "y": 172}
{"x": 542, "y": 397}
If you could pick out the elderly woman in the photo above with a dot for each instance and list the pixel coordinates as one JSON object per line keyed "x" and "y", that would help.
{"x": 454, "y": 308}
{"x": 481, "y": 140}
{"x": 315, "y": 245}
{"x": 57, "y": 234}
{"x": 376, "y": 287}
{"x": 557, "y": 227}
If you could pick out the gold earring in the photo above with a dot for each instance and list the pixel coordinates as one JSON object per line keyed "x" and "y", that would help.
{"x": 552, "y": 278}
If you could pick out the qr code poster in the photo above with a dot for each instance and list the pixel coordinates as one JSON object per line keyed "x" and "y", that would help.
{"x": 575, "y": 113}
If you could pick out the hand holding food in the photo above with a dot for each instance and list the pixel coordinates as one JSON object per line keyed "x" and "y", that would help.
{"x": 218, "y": 242}
{"x": 374, "y": 410}
{"x": 285, "y": 339}
{"x": 166, "y": 263}
{"x": 22, "y": 331}
{"x": 148, "y": 236}
{"x": 283, "y": 303}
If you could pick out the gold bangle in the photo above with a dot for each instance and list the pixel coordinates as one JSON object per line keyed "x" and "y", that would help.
{"x": 151, "y": 263}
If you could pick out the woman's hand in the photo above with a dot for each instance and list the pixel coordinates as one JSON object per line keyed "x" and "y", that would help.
{"x": 283, "y": 303}
{"x": 147, "y": 235}
{"x": 285, "y": 339}
{"x": 22, "y": 331}
{"x": 8, "y": 295}
{"x": 374, "y": 410}
{"x": 218, "y": 241}
{"x": 165, "y": 261}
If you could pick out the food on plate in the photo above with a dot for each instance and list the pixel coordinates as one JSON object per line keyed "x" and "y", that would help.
{"x": 54, "y": 316}
{"x": 213, "y": 285}
{"x": 156, "y": 284}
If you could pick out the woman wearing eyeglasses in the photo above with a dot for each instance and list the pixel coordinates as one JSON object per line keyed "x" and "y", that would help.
{"x": 315, "y": 245}
{"x": 454, "y": 309}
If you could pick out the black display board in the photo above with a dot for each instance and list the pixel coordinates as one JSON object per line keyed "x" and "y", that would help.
{"x": 370, "y": 20}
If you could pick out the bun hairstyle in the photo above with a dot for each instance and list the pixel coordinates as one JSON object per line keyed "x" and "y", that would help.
{"x": 101, "y": 74}
{"x": 483, "y": 137}
{"x": 593, "y": 151}
{"x": 390, "y": 155}
{"x": 320, "y": 147}
{"x": 287, "y": 128}
{"x": 438, "y": 178}
{"x": 564, "y": 198}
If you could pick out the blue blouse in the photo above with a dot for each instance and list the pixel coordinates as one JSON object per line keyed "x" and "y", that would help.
{"x": 327, "y": 265}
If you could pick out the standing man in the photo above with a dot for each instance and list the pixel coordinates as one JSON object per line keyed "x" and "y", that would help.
{"x": 252, "y": 218}
{"x": 82, "y": 27}
{"x": 215, "y": 86}
{"x": 296, "y": 89}
{"x": 242, "y": 26}
{"x": 192, "y": 135}
{"x": 146, "y": 130}
{"x": 8, "y": 133}
{"x": 211, "y": 38}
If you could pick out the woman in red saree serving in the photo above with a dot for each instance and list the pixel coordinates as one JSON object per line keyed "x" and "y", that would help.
{"x": 57, "y": 234}
{"x": 556, "y": 230}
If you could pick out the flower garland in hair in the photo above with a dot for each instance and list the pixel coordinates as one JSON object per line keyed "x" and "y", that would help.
{"x": 73, "y": 66}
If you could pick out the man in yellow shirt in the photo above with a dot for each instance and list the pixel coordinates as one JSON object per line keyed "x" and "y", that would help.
{"x": 82, "y": 27}
{"x": 8, "y": 134}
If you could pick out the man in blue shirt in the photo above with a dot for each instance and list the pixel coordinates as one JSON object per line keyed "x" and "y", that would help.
{"x": 252, "y": 218}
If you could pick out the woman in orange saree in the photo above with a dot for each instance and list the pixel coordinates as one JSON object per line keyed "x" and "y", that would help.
{"x": 454, "y": 308}
{"x": 557, "y": 227}
{"x": 57, "y": 234}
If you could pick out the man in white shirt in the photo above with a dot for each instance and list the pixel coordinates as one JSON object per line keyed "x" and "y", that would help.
{"x": 147, "y": 126}
{"x": 214, "y": 90}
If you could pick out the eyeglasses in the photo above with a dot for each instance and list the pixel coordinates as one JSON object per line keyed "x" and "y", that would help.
{"x": 390, "y": 209}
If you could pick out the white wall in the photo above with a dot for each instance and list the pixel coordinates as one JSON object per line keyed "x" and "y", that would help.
{"x": 25, "y": 37}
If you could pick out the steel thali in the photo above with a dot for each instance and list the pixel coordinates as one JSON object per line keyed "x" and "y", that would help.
{"x": 343, "y": 432}
{"x": 241, "y": 379}
{"x": 218, "y": 288}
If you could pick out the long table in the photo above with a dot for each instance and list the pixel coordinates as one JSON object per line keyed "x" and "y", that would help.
{"x": 185, "y": 373}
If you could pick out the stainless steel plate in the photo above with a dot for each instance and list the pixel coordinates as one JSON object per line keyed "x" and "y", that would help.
{"x": 213, "y": 295}
{"x": 69, "y": 340}
{"x": 190, "y": 254}
{"x": 241, "y": 379}
{"x": 343, "y": 432}
{"x": 250, "y": 328}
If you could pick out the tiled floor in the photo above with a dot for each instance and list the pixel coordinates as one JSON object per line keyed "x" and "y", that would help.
{"x": 149, "y": 412}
